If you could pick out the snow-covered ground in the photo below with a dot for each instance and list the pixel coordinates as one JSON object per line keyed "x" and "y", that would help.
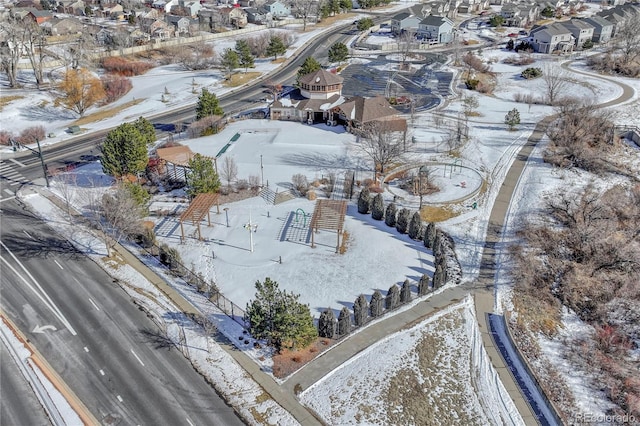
{"x": 323, "y": 278}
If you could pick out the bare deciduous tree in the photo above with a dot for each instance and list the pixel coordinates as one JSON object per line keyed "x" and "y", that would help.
{"x": 555, "y": 82}
{"x": 381, "y": 143}
{"x": 115, "y": 214}
{"x": 305, "y": 9}
{"x": 35, "y": 47}
{"x": 11, "y": 49}
{"x": 228, "y": 170}
{"x": 627, "y": 40}
{"x": 65, "y": 185}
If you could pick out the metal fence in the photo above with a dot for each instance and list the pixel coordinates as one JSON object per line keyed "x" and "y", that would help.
{"x": 225, "y": 305}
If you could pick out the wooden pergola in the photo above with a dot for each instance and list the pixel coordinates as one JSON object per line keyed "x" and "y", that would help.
{"x": 179, "y": 156}
{"x": 328, "y": 215}
{"x": 198, "y": 208}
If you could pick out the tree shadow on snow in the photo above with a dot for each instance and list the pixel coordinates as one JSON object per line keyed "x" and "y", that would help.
{"x": 318, "y": 161}
{"x": 46, "y": 113}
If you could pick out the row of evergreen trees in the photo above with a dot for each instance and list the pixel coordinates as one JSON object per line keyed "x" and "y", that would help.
{"x": 364, "y": 310}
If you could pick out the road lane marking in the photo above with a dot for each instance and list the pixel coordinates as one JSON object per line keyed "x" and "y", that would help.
{"x": 119, "y": 398}
{"x": 59, "y": 265}
{"x": 94, "y": 304}
{"x": 190, "y": 422}
{"x": 86, "y": 349}
{"x": 137, "y": 357}
{"x": 27, "y": 234}
{"x": 17, "y": 162}
{"x": 42, "y": 295}
{"x": 101, "y": 372}
{"x": 8, "y": 191}
{"x": 7, "y": 199}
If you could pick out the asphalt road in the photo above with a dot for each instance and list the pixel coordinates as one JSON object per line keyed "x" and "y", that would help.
{"x": 107, "y": 351}
{"x": 18, "y": 405}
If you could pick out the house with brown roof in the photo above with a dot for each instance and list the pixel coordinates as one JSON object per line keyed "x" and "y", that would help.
{"x": 319, "y": 99}
{"x": 233, "y": 16}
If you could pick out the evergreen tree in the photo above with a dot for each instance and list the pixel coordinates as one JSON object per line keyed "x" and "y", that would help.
{"x": 201, "y": 176}
{"x": 147, "y": 130}
{"x": 402, "y": 222}
{"x": 439, "y": 277}
{"x": 327, "y": 324}
{"x": 512, "y": 119}
{"x": 360, "y": 310}
{"x": 414, "y": 226}
{"x": 393, "y": 298}
{"x": 245, "y": 56}
{"x": 139, "y": 195}
{"x": 423, "y": 285}
{"x": 375, "y": 307}
{"x": 364, "y": 24}
{"x": 124, "y": 151}
{"x": 429, "y": 235}
{"x": 344, "y": 321}
{"x": 279, "y": 317}
{"x": 338, "y": 52}
{"x": 405, "y": 292}
{"x": 377, "y": 207}
{"x": 364, "y": 201}
{"x": 308, "y": 66}
{"x": 276, "y": 47}
{"x": 230, "y": 61}
{"x": 208, "y": 104}
{"x": 390, "y": 215}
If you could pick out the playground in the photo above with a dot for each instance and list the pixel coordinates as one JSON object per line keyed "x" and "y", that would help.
{"x": 255, "y": 238}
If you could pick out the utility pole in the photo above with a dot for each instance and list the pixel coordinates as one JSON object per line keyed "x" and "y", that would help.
{"x": 261, "y": 172}
{"x": 34, "y": 152}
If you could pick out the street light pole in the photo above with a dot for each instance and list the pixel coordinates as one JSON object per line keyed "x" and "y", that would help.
{"x": 261, "y": 172}
{"x": 44, "y": 168}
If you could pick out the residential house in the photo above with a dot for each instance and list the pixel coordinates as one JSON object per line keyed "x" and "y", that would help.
{"x": 64, "y": 26}
{"x": 619, "y": 14}
{"x": 71, "y": 7}
{"x": 160, "y": 30}
{"x": 581, "y": 30}
{"x": 38, "y": 16}
{"x": 438, "y": 8}
{"x": 438, "y": 29}
{"x": 247, "y": 3}
{"x": 404, "y": 22}
{"x": 191, "y": 7}
{"x": 181, "y": 24}
{"x": 602, "y": 29}
{"x": 277, "y": 9}
{"x": 111, "y": 10}
{"x": 552, "y": 38}
{"x": 510, "y": 12}
{"x": 471, "y": 6}
{"x": 233, "y": 16}
{"x": 256, "y": 16}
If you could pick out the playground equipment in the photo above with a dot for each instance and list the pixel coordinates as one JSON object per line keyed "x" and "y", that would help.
{"x": 452, "y": 167}
{"x": 304, "y": 217}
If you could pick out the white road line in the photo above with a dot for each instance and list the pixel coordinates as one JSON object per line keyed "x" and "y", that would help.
{"x": 7, "y": 199}
{"x": 8, "y": 191}
{"x": 94, "y": 304}
{"x": 190, "y": 422}
{"x": 27, "y": 234}
{"x": 59, "y": 265}
{"x": 14, "y": 183}
{"x": 86, "y": 349}
{"x": 11, "y": 174}
{"x": 42, "y": 295}
{"x": 101, "y": 372}
{"x": 119, "y": 398}
{"x": 137, "y": 357}
{"x": 17, "y": 162}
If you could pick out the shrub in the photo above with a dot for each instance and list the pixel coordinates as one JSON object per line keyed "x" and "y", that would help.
{"x": 390, "y": 215}
{"x": 5, "y": 137}
{"x": 524, "y": 46}
{"x": 414, "y": 226}
{"x": 403, "y": 221}
{"x": 393, "y": 298}
{"x": 405, "y": 292}
{"x": 146, "y": 238}
{"x": 300, "y": 183}
{"x": 242, "y": 184}
{"x": 125, "y": 67}
{"x": 530, "y": 73}
{"x": 360, "y": 310}
{"x": 327, "y": 324}
{"x": 472, "y": 84}
{"x": 377, "y": 207}
{"x": 587, "y": 44}
{"x": 170, "y": 257}
{"x": 344, "y": 322}
{"x": 31, "y": 134}
{"x": 364, "y": 201}
{"x": 115, "y": 87}
{"x": 429, "y": 235}
{"x": 423, "y": 285}
{"x": 375, "y": 307}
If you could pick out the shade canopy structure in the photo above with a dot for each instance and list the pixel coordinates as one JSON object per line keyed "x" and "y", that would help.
{"x": 179, "y": 156}
{"x": 328, "y": 215}
{"x": 197, "y": 210}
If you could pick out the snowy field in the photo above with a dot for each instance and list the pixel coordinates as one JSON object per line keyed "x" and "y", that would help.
{"x": 431, "y": 367}
{"x": 323, "y": 278}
